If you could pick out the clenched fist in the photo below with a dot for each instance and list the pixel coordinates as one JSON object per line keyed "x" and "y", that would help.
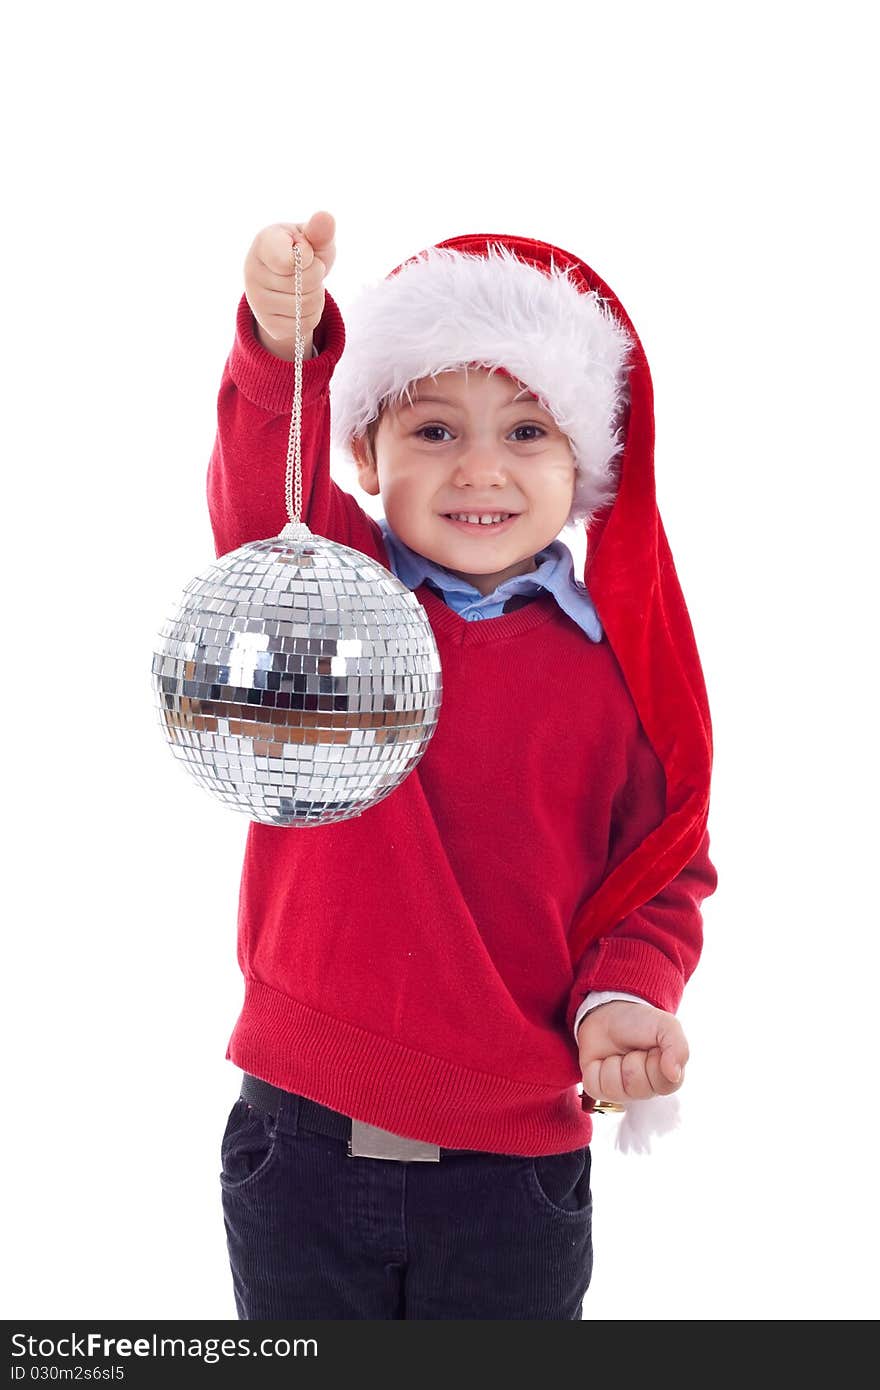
{"x": 269, "y": 285}
{"x": 631, "y": 1051}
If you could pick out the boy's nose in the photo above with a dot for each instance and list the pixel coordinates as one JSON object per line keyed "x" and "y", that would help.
{"x": 479, "y": 466}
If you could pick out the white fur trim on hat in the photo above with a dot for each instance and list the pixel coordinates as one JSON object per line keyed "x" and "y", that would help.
{"x": 448, "y": 309}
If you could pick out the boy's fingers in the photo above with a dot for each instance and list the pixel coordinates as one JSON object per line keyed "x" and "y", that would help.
{"x": 315, "y": 237}
{"x": 634, "y": 1075}
{"x": 276, "y": 248}
{"x": 590, "y": 1073}
{"x": 280, "y": 311}
{"x": 642, "y": 1027}
{"x": 609, "y": 1080}
{"x": 312, "y": 280}
{"x": 617, "y": 1078}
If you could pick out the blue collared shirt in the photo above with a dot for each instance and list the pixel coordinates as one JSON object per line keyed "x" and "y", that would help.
{"x": 555, "y": 572}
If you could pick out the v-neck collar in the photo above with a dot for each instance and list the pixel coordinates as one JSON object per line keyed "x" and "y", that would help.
{"x": 468, "y": 631}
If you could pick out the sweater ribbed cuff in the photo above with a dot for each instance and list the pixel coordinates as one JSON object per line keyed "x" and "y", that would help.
{"x": 627, "y": 965}
{"x": 266, "y": 380}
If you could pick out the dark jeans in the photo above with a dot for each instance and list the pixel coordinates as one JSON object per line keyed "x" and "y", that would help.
{"x": 315, "y": 1233}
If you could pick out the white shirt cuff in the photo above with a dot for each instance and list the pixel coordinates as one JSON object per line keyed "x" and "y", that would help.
{"x": 601, "y": 996}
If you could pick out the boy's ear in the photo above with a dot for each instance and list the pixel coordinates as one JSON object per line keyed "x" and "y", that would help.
{"x": 368, "y": 476}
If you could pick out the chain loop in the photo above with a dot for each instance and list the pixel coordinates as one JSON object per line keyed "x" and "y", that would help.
{"x": 294, "y": 445}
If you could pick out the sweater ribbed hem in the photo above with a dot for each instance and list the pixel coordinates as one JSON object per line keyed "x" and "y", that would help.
{"x": 387, "y": 1084}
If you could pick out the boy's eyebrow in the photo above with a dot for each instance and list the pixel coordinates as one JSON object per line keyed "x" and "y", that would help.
{"x": 444, "y": 400}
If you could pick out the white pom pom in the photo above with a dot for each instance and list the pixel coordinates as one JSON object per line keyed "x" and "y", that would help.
{"x": 643, "y": 1119}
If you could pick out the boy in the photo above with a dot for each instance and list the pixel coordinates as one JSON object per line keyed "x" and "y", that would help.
{"x": 428, "y": 983}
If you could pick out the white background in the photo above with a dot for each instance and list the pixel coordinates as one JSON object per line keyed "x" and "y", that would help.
{"x": 714, "y": 165}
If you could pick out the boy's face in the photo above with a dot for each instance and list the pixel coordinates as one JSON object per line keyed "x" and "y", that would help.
{"x": 478, "y": 444}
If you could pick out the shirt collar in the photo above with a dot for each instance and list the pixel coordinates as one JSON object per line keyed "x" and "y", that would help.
{"x": 555, "y": 573}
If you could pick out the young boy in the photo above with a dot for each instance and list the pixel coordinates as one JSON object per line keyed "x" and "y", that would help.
{"x": 428, "y": 984}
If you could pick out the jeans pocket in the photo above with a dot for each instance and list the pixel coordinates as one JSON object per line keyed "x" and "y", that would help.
{"x": 560, "y": 1183}
{"x": 249, "y": 1146}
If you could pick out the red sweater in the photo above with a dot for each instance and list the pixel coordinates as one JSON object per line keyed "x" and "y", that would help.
{"x": 411, "y": 966}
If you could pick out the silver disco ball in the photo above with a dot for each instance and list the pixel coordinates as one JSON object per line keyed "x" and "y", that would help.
{"x": 298, "y": 680}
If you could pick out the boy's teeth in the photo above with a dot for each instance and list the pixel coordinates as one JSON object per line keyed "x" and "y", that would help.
{"x": 484, "y": 520}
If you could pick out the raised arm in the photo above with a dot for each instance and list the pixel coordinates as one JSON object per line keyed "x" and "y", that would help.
{"x": 247, "y": 469}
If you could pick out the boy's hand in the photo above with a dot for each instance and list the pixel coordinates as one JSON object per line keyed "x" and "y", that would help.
{"x": 269, "y": 285}
{"x": 631, "y": 1052}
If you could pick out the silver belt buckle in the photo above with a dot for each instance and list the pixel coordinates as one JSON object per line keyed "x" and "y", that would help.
{"x": 368, "y": 1141}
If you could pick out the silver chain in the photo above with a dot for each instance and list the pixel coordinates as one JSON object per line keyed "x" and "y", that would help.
{"x": 294, "y": 454}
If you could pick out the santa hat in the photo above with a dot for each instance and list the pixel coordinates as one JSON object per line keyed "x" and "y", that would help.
{"x": 545, "y": 317}
{"x": 454, "y": 307}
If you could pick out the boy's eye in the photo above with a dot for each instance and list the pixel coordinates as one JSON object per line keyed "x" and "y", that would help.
{"x": 424, "y": 428}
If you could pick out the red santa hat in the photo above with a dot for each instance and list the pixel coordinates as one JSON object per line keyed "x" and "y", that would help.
{"x": 543, "y": 316}
{"x": 454, "y": 306}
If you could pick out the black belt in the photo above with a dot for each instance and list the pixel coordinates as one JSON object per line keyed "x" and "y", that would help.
{"x": 320, "y": 1119}
{"x": 363, "y": 1140}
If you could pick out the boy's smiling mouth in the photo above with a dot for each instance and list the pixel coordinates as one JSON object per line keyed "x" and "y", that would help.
{"x": 490, "y": 522}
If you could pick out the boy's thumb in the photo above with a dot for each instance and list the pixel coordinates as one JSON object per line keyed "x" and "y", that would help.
{"x": 320, "y": 230}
